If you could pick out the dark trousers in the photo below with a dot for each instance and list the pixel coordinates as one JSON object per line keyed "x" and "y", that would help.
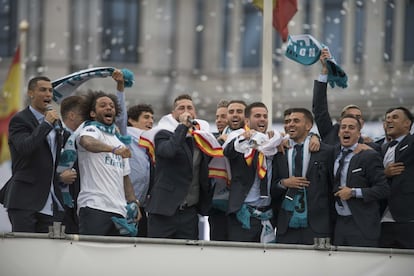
{"x": 97, "y": 222}
{"x": 218, "y": 225}
{"x": 143, "y": 224}
{"x": 32, "y": 221}
{"x": 71, "y": 221}
{"x": 347, "y": 233}
{"x": 238, "y": 233}
{"x": 299, "y": 236}
{"x": 397, "y": 235}
{"x": 182, "y": 225}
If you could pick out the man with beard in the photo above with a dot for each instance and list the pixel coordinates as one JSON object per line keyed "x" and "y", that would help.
{"x": 235, "y": 117}
{"x": 104, "y": 168}
{"x": 31, "y": 195}
{"x": 304, "y": 184}
{"x": 181, "y": 187}
{"x": 250, "y": 153}
{"x": 217, "y": 214}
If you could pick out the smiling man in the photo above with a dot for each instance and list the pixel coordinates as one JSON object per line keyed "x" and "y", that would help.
{"x": 31, "y": 196}
{"x": 359, "y": 184}
{"x": 235, "y": 115}
{"x": 398, "y": 221}
{"x": 140, "y": 119}
{"x": 304, "y": 184}
{"x": 249, "y": 206}
{"x": 104, "y": 168}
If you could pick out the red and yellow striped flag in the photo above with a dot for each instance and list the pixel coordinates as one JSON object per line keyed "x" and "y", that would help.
{"x": 9, "y": 103}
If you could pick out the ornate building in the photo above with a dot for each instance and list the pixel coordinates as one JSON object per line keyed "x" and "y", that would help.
{"x": 211, "y": 49}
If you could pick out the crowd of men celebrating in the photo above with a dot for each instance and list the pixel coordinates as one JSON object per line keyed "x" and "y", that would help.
{"x": 106, "y": 170}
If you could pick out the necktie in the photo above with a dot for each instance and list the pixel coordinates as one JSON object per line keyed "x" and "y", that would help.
{"x": 337, "y": 179}
{"x": 298, "y": 160}
{"x": 297, "y": 169}
{"x": 391, "y": 144}
{"x": 389, "y": 153}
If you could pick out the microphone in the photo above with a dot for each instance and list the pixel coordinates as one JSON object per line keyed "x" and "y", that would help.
{"x": 192, "y": 121}
{"x": 57, "y": 124}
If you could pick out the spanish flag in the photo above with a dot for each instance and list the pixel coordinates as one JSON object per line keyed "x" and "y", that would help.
{"x": 9, "y": 103}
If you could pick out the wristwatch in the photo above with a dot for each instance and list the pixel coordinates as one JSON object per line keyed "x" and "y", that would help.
{"x": 314, "y": 134}
{"x": 353, "y": 192}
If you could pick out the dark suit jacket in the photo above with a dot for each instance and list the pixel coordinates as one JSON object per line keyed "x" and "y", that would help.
{"x": 319, "y": 193}
{"x": 366, "y": 171}
{"x": 327, "y": 130}
{"x": 242, "y": 177}
{"x": 401, "y": 200}
{"x": 32, "y": 163}
{"x": 323, "y": 120}
{"x": 174, "y": 173}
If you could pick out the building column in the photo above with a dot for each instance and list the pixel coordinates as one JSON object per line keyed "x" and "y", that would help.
{"x": 398, "y": 35}
{"x": 317, "y": 19}
{"x": 212, "y": 35}
{"x": 237, "y": 16}
{"x": 291, "y": 70}
{"x": 158, "y": 26}
{"x": 55, "y": 47}
{"x": 349, "y": 38}
{"x": 373, "y": 61}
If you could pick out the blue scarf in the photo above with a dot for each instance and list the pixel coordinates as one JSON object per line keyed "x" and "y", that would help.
{"x": 246, "y": 212}
{"x": 126, "y": 139}
{"x": 298, "y": 208}
{"x": 306, "y": 50}
{"x": 67, "y": 85}
{"x": 127, "y": 226}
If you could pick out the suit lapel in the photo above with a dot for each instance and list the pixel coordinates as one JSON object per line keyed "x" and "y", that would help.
{"x": 188, "y": 149}
{"x": 31, "y": 117}
{"x": 352, "y": 165}
{"x": 401, "y": 148}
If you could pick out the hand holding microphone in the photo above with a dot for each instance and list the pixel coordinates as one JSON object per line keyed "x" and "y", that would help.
{"x": 187, "y": 120}
{"x": 52, "y": 117}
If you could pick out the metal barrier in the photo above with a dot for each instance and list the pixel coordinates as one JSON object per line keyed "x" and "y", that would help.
{"x": 56, "y": 253}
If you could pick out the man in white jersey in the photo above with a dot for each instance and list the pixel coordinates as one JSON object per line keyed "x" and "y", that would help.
{"x": 104, "y": 168}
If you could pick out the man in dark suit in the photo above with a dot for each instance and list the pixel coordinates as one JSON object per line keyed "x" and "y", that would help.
{"x": 31, "y": 195}
{"x": 249, "y": 206}
{"x": 303, "y": 183}
{"x": 397, "y": 228}
{"x": 359, "y": 184}
{"x": 181, "y": 188}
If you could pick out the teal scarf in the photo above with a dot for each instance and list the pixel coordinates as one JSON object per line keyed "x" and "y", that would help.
{"x": 243, "y": 216}
{"x": 298, "y": 208}
{"x": 112, "y": 129}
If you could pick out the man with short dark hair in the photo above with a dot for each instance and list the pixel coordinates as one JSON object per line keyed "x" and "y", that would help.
{"x": 140, "y": 119}
{"x": 250, "y": 153}
{"x": 31, "y": 196}
{"x": 304, "y": 184}
{"x": 181, "y": 187}
{"x": 397, "y": 228}
{"x": 359, "y": 184}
